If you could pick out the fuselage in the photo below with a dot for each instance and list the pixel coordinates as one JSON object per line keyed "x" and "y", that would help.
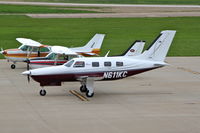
{"x": 99, "y": 68}
{"x": 21, "y": 54}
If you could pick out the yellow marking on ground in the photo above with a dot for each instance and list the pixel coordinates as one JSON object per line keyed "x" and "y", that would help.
{"x": 78, "y": 95}
{"x": 188, "y": 70}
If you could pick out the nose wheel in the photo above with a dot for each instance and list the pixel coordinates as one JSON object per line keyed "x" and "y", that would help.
{"x": 12, "y": 66}
{"x": 83, "y": 88}
{"x": 43, "y": 92}
{"x": 89, "y": 94}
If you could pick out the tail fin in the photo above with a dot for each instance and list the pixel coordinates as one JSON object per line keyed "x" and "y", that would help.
{"x": 95, "y": 42}
{"x": 135, "y": 49}
{"x": 159, "y": 48}
{"x": 92, "y": 47}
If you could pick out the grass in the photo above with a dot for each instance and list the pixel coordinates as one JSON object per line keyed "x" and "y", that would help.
{"x": 191, "y": 2}
{"x": 39, "y": 9}
{"x": 120, "y": 32}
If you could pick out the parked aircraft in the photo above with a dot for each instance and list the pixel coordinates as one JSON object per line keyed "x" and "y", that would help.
{"x": 58, "y": 56}
{"x": 31, "y": 49}
{"x": 61, "y": 55}
{"x": 87, "y": 70}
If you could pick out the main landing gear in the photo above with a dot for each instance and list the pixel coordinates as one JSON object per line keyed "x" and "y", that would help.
{"x": 43, "y": 92}
{"x": 12, "y": 66}
{"x": 87, "y": 87}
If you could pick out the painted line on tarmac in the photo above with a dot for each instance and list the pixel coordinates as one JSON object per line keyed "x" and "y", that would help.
{"x": 188, "y": 70}
{"x": 81, "y": 97}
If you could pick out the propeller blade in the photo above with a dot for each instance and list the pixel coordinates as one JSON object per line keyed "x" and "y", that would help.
{"x": 1, "y": 50}
{"x": 28, "y": 62}
{"x": 28, "y": 78}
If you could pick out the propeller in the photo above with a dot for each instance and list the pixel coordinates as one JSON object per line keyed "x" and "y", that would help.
{"x": 28, "y": 62}
{"x": 28, "y": 78}
{"x": 1, "y": 52}
{"x": 28, "y": 73}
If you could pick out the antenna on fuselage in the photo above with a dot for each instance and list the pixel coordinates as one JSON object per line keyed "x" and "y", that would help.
{"x": 107, "y": 54}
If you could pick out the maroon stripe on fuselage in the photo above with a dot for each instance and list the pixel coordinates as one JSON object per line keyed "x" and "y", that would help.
{"x": 47, "y": 62}
{"x": 49, "y": 80}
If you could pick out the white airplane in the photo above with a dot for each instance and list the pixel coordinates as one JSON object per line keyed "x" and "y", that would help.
{"x": 60, "y": 55}
{"x": 87, "y": 70}
{"x": 31, "y": 49}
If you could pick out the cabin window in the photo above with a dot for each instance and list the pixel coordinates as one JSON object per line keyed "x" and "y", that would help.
{"x": 34, "y": 49}
{"x": 119, "y": 64}
{"x": 44, "y": 49}
{"x": 79, "y": 64}
{"x": 95, "y": 64}
{"x": 107, "y": 63}
{"x": 69, "y": 57}
{"x": 68, "y": 64}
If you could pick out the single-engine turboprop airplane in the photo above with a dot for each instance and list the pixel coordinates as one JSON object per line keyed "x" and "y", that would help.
{"x": 60, "y": 55}
{"x": 32, "y": 49}
{"x": 87, "y": 70}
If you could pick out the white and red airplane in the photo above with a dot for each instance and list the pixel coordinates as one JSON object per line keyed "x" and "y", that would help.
{"x": 32, "y": 49}
{"x": 60, "y": 55}
{"x": 87, "y": 70}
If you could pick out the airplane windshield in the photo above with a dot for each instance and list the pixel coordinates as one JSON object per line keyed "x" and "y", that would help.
{"x": 68, "y": 64}
{"x": 51, "y": 56}
{"x": 24, "y": 47}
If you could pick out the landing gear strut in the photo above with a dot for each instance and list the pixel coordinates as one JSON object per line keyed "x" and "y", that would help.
{"x": 43, "y": 92}
{"x": 87, "y": 86}
{"x": 12, "y": 66}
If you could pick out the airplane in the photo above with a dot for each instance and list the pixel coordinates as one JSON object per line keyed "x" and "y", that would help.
{"x": 31, "y": 49}
{"x": 87, "y": 70}
{"x": 60, "y": 55}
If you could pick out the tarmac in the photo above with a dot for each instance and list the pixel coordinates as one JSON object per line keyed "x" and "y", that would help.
{"x": 166, "y": 100}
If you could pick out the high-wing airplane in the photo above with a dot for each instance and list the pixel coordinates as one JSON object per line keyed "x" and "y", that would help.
{"x": 60, "y": 55}
{"x": 31, "y": 49}
{"x": 87, "y": 70}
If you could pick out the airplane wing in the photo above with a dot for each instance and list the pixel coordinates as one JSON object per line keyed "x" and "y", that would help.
{"x": 62, "y": 50}
{"x": 29, "y": 42}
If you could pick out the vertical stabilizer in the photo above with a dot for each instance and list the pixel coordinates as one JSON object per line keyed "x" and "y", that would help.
{"x": 135, "y": 49}
{"x": 159, "y": 49}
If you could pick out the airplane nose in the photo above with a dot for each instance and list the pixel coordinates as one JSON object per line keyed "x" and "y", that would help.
{"x": 26, "y": 73}
{"x": 3, "y": 52}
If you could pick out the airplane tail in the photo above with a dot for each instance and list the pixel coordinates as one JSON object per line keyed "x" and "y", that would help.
{"x": 135, "y": 49}
{"x": 159, "y": 48}
{"x": 93, "y": 46}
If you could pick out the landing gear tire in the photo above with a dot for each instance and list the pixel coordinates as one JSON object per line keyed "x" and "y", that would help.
{"x": 12, "y": 66}
{"x": 43, "y": 92}
{"x": 83, "y": 88}
{"x": 88, "y": 94}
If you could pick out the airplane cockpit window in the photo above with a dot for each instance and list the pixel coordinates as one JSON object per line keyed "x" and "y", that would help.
{"x": 68, "y": 64}
{"x": 119, "y": 64}
{"x": 107, "y": 64}
{"x": 51, "y": 56}
{"x": 24, "y": 47}
{"x": 79, "y": 64}
{"x": 95, "y": 64}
